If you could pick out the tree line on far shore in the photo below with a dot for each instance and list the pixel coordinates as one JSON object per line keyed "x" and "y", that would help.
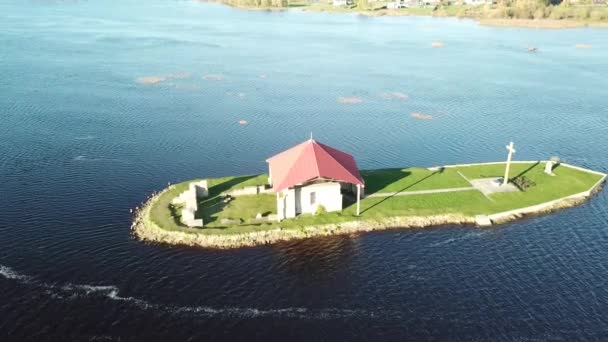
{"x": 587, "y": 10}
{"x": 538, "y": 9}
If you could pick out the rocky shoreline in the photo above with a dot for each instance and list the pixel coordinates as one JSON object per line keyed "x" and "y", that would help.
{"x": 146, "y": 230}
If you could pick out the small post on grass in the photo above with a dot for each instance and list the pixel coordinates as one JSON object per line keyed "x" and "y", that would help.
{"x": 509, "y": 156}
{"x": 358, "y": 199}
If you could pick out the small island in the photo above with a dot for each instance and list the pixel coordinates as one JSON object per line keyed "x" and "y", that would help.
{"x": 316, "y": 190}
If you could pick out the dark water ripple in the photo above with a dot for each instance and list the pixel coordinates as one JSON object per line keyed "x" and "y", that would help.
{"x": 83, "y": 142}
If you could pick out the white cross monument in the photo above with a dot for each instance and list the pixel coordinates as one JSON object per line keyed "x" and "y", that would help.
{"x": 511, "y": 151}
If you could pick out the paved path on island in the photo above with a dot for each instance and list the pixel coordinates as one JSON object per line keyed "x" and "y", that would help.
{"x": 418, "y": 192}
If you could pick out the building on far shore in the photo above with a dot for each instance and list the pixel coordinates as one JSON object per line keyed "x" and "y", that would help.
{"x": 412, "y": 3}
{"x": 395, "y": 4}
{"x": 312, "y": 177}
{"x": 339, "y": 3}
{"x": 420, "y": 3}
{"x": 478, "y": 2}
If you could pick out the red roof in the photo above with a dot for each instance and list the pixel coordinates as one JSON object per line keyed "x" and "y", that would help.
{"x": 311, "y": 160}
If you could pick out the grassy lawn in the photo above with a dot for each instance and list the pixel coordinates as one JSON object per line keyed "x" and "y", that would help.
{"x": 567, "y": 182}
{"x": 464, "y": 202}
{"x": 417, "y": 10}
{"x": 163, "y": 213}
{"x": 410, "y": 179}
{"x": 224, "y": 184}
{"x": 167, "y": 215}
{"x": 242, "y": 207}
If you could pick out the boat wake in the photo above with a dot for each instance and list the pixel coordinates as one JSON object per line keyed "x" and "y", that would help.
{"x": 109, "y": 292}
{"x": 9, "y": 273}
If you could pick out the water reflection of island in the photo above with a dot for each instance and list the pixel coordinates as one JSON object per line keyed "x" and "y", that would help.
{"x": 317, "y": 259}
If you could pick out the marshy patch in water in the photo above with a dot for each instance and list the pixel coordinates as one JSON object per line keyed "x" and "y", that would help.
{"x": 156, "y": 79}
{"x": 350, "y": 99}
{"x": 151, "y": 79}
{"x": 212, "y": 77}
{"x": 421, "y": 116}
{"x": 394, "y": 95}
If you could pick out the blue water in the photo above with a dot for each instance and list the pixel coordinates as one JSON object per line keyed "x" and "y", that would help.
{"x": 83, "y": 140}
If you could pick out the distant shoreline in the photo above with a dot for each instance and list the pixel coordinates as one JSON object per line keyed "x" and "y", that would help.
{"x": 540, "y": 24}
{"x": 545, "y": 23}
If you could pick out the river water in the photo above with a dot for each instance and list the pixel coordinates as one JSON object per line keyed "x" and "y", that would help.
{"x": 102, "y": 103}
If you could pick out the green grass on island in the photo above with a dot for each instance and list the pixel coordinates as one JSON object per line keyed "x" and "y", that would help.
{"x": 243, "y": 209}
{"x": 411, "y": 179}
